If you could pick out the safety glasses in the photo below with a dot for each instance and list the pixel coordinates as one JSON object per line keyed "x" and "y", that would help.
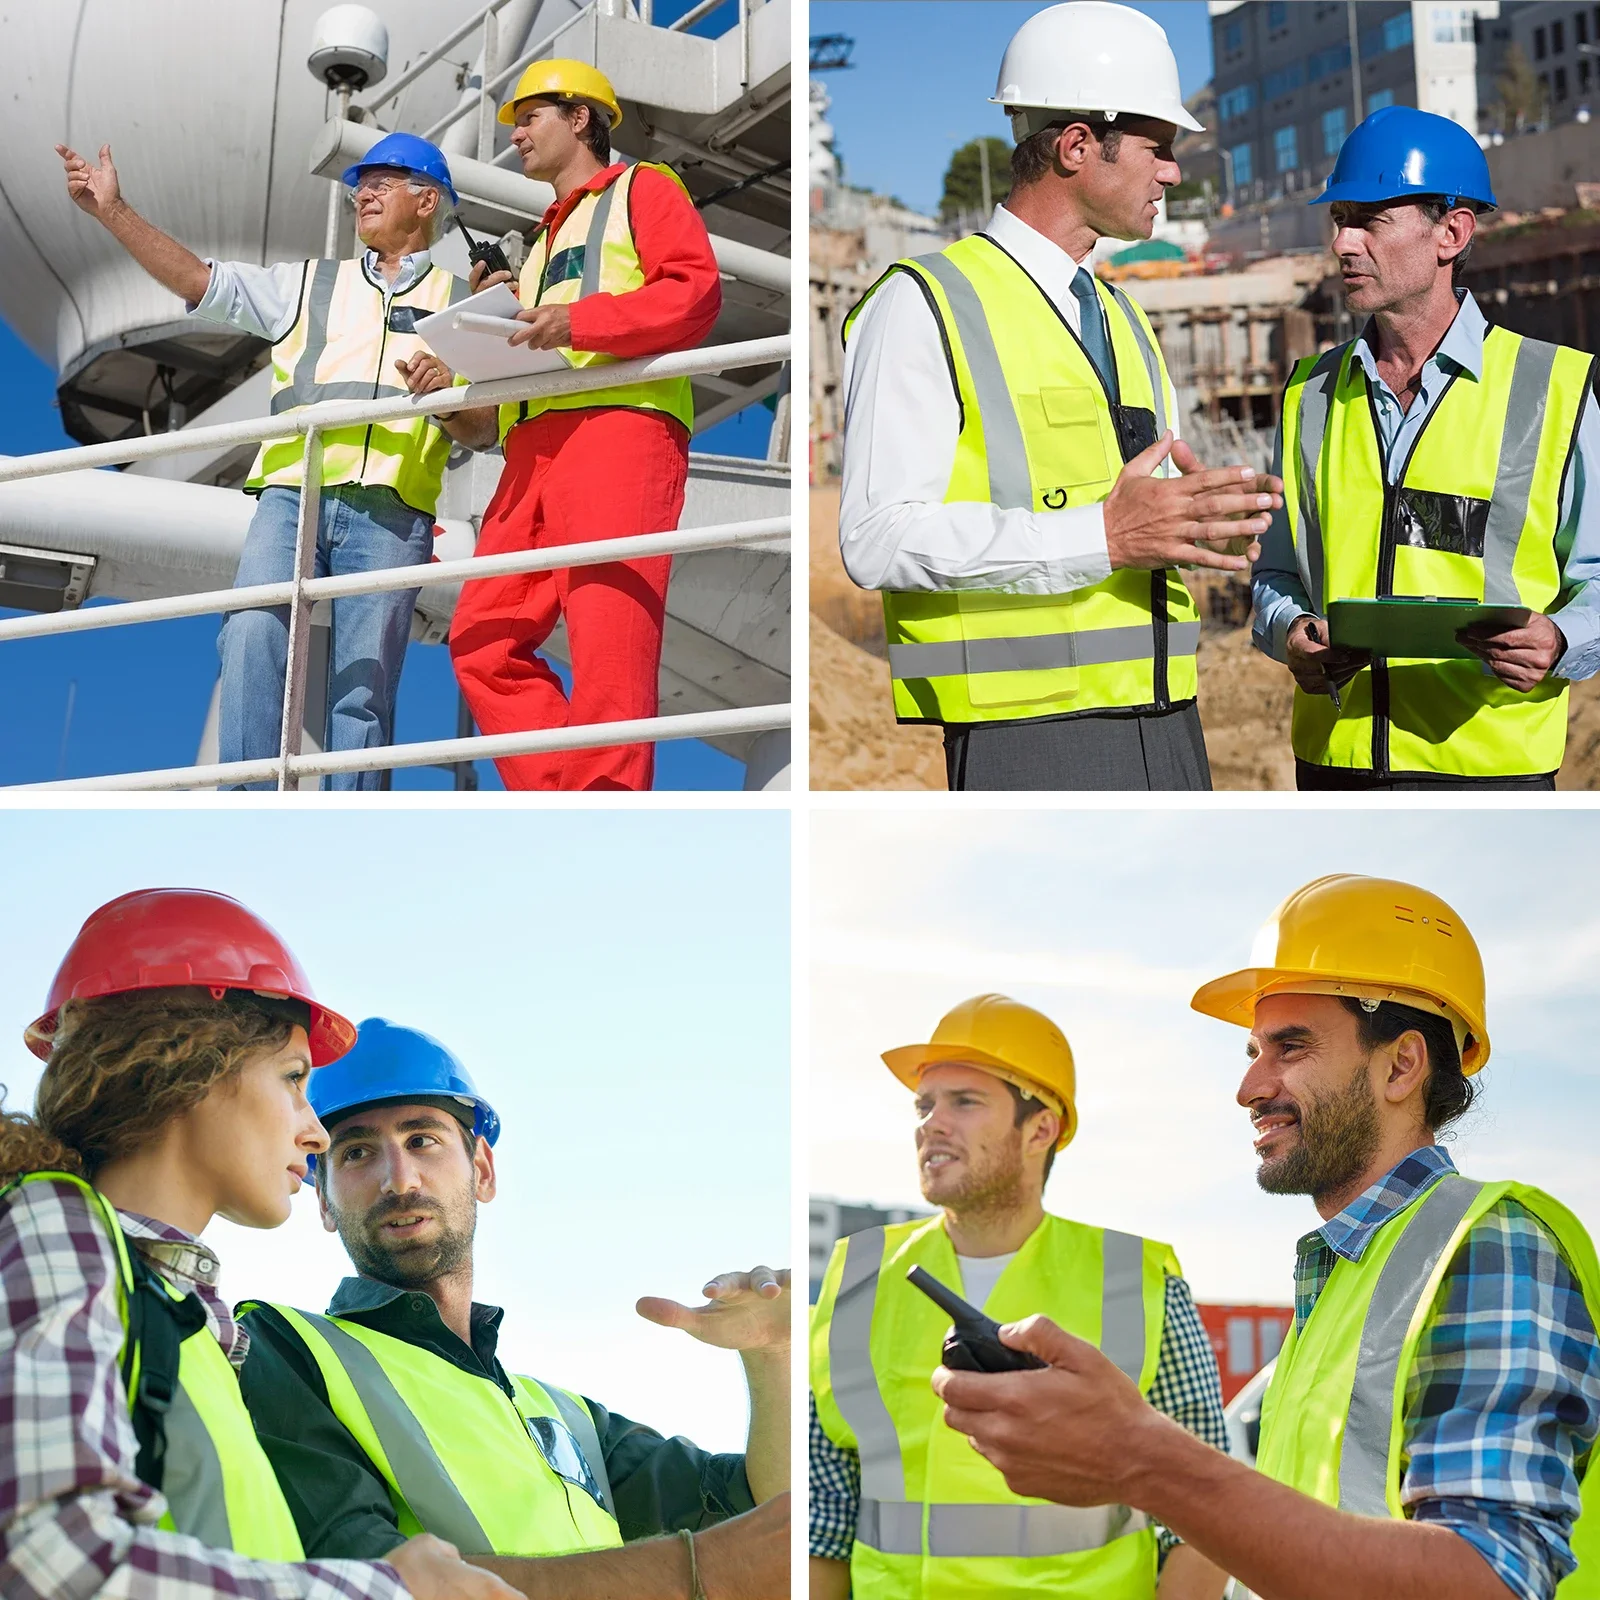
{"x": 562, "y": 1455}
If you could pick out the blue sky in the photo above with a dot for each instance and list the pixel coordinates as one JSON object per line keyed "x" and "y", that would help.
{"x": 1108, "y": 922}
{"x": 141, "y": 693}
{"x": 923, "y": 73}
{"x": 616, "y": 982}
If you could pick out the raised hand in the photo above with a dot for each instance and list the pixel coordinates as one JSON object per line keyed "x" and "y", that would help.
{"x": 1172, "y": 522}
{"x": 91, "y": 189}
{"x": 477, "y": 280}
{"x": 744, "y": 1311}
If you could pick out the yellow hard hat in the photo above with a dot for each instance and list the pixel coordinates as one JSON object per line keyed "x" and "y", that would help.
{"x": 563, "y": 80}
{"x": 1007, "y": 1038}
{"x": 1370, "y": 939}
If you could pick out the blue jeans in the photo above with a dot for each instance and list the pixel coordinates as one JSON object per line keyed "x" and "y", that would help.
{"x": 359, "y": 530}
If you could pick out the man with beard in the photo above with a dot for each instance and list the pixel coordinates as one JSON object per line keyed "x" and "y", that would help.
{"x": 900, "y": 1506}
{"x": 1431, "y": 1415}
{"x": 1431, "y": 455}
{"x": 392, "y": 1413}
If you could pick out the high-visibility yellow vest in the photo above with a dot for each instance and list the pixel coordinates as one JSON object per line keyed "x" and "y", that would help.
{"x": 463, "y": 1460}
{"x": 343, "y": 346}
{"x": 937, "y": 1521}
{"x": 218, "y": 1483}
{"x": 1332, "y": 1419}
{"x": 593, "y": 252}
{"x": 1475, "y": 516}
{"x": 1039, "y": 430}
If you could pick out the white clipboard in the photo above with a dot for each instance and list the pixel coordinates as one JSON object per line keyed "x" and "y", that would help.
{"x": 480, "y": 354}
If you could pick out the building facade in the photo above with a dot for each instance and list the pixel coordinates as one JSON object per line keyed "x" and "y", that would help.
{"x": 1561, "y": 42}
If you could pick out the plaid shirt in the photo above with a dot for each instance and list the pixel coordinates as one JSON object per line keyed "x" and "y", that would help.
{"x": 1503, "y": 1402}
{"x": 75, "y": 1521}
{"x": 1186, "y": 1388}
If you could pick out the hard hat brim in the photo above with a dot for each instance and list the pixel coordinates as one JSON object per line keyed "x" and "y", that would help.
{"x": 1366, "y": 194}
{"x": 1234, "y": 997}
{"x": 351, "y": 176}
{"x": 1179, "y": 116}
{"x": 910, "y": 1061}
{"x": 507, "y": 114}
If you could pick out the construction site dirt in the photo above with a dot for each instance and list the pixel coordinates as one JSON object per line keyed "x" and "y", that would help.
{"x": 1244, "y": 698}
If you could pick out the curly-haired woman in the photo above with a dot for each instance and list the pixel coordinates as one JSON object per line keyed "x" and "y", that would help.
{"x": 178, "y": 1038}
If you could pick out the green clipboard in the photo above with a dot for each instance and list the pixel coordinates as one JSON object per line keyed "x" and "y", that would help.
{"x": 1414, "y": 629}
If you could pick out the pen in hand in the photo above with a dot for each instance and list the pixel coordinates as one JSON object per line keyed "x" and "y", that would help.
{"x": 1333, "y": 688}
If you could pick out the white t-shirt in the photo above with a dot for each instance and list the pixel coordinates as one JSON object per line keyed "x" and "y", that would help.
{"x": 979, "y": 1275}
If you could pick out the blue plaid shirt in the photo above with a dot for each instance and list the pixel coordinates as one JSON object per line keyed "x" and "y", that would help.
{"x": 1503, "y": 1402}
{"x": 1185, "y": 1388}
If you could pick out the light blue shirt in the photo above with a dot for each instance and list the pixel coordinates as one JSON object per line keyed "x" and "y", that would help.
{"x": 265, "y": 300}
{"x": 1279, "y": 595}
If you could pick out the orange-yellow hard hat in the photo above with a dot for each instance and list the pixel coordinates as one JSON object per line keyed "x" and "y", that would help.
{"x": 1370, "y": 939}
{"x": 1007, "y": 1038}
{"x": 563, "y": 80}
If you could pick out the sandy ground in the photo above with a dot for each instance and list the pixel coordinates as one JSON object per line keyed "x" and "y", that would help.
{"x": 1244, "y": 698}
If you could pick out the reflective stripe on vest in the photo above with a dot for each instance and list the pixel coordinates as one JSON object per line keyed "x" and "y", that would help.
{"x": 1475, "y": 515}
{"x": 342, "y": 347}
{"x": 1332, "y": 1420}
{"x": 216, "y": 1479}
{"x": 932, "y": 1522}
{"x": 599, "y": 226}
{"x": 1038, "y": 431}
{"x": 459, "y": 1454}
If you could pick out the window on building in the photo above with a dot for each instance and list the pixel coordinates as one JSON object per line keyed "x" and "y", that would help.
{"x": 1580, "y": 27}
{"x": 1241, "y": 1347}
{"x": 1334, "y": 124}
{"x": 1539, "y": 50}
{"x": 1378, "y": 99}
{"x": 1235, "y": 102}
{"x": 1284, "y": 81}
{"x": 1286, "y": 149}
{"x": 1243, "y": 167}
{"x": 1271, "y": 1338}
{"x": 1233, "y": 37}
{"x": 1397, "y": 31}
{"x": 1451, "y": 24}
{"x": 1583, "y": 76}
{"x": 1558, "y": 38}
{"x": 1327, "y": 62}
{"x": 1277, "y": 14}
{"x": 1561, "y": 83}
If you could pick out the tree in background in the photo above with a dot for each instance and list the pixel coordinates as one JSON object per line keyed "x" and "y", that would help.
{"x": 1523, "y": 101}
{"x": 964, "y": 178}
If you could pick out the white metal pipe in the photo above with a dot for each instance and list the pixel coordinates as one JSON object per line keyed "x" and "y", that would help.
{"x": 686, "y": 541}
{"x": 693, "y": 15}
{"x": 436, "y": 752}
{"x": 353, "y": 413}
{"x": 292, "y": 728}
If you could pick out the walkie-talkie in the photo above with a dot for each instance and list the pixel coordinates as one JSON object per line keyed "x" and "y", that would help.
{"x": 484, "y": 250}
{"x": 973, "y": 1343}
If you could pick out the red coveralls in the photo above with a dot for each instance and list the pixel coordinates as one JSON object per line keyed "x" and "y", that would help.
{"x": 602, "y": 472}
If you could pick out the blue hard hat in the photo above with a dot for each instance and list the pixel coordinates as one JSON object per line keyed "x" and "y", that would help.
{"x": 409, "y": 153}
{"x": 1401, "y": 153}
{"x": 389, "y": 1064}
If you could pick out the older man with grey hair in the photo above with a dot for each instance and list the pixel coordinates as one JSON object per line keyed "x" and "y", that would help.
{"x": 339, "y": 330}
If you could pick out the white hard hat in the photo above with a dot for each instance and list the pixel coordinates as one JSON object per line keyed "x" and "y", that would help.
{"x": 1090, "y": 56}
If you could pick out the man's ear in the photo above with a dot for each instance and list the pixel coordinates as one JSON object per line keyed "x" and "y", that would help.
{"x": 323, "y": 1209}
{"x": 1071, "y": 149}
{"x": 1408, "y": 1068}
{"x": 483, "y": 1170}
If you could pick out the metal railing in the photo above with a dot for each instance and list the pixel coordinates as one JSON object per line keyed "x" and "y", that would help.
{"x": 486, "y": 22}
{"x": 302, "y": 590}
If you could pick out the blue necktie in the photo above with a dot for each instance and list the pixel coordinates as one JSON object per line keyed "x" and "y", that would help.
{"x": 1093, "y": 334}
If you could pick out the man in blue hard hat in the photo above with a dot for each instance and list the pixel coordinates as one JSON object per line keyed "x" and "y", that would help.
{"x": 392, "y": 1412}
{"x": 339, "y": 330}
{"x": 1432, "y": 456}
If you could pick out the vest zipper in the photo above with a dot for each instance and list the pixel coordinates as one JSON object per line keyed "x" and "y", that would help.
{"x": 1159, "y": 686}
{"x": 1387, "y": 544}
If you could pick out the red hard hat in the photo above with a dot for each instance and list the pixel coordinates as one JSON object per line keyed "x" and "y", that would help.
{"x": 170, "y": 938}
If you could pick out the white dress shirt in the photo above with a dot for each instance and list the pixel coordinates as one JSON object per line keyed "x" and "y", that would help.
{"x": 266, "y": 300}
{"x": 901, "y": 421}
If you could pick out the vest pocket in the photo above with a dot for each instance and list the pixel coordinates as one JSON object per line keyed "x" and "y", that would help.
{"x": 1075, "y": 444}
{"x": 1454, "y": 524}
{"x": 1005, "y": 666}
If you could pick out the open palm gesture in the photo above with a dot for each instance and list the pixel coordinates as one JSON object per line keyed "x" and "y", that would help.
{"x": 743, "y": 1311}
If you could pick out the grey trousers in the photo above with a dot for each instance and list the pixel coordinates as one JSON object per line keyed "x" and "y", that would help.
{"x": 1154, "y": 750}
